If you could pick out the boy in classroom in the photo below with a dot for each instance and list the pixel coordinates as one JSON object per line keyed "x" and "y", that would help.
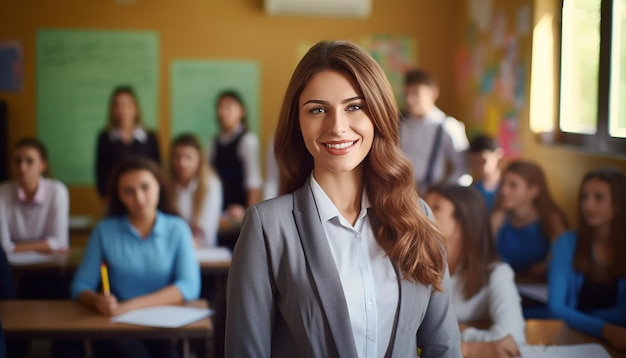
{"x": 484, "y": 159}
{"x": 432, "y": 140}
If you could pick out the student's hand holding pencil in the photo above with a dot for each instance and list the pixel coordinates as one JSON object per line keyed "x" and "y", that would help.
{"x": 107, "y": 304}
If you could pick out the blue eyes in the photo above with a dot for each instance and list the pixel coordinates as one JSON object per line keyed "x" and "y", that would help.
{"x": 350, "y": 108}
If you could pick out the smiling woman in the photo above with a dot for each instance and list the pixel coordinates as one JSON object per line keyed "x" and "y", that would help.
{"x": 350, "y": 228}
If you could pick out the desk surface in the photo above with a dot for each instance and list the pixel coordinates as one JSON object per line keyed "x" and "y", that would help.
{"x": 64, "y": 319}
{"x": 70, "y": 260}
{"x": 557, "y": 332}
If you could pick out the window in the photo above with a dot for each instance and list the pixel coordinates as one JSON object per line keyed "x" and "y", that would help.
{"x": 592, "y": 102}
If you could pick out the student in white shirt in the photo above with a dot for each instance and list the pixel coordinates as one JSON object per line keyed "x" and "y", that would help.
{"x": 197, "y": 189}
{"x": 433, "y": 141}
{"x": 34, "y": 210}
{"x": 483, "y": 288}
{"x": 234, "y": 154}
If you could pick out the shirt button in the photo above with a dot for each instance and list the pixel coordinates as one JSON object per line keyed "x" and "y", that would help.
{"x": 370, "y": 304}
{"x": 370, "y": 337}
{"x": 364, "y": 268}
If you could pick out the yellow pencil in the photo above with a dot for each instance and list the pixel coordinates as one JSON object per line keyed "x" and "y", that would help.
{"x": 105, "y": 279}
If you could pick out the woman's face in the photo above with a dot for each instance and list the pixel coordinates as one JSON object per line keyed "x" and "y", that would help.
{"x": 335, "y": 123}
{"x": 28, "y": 164}
{"x": 516, "y": 192}
{"x": 444, "y": 212}
{"x": 230, "y": 113}
{"x": 596, "y": 204}
{"x": 124, "y": 110}
{"x": 139, "y": 193}
{"x": 185, "y": 160}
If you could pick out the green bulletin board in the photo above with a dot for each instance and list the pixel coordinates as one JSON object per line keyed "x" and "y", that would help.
{"x": 76, "y": 73}
{"x": 195, "y": 86}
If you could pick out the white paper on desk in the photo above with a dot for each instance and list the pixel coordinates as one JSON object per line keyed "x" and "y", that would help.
{"x": 536, "y": 291}
{"x": 569, "y": 351}
{"x": 163, "y": 316}
{"x": 25, "y": 258}
{"x": 213, "y": 254}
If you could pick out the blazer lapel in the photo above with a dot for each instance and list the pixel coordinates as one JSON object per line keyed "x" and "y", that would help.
{"x": 324, "y": 271}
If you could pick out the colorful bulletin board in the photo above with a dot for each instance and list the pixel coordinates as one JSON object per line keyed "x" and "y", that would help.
{"x": 11, "y": 66}
{"x": 396, "y": 54}
{"x": 195, "y": 86}
{"x": 491, "y": 70}
{"x": 76, "y": 73}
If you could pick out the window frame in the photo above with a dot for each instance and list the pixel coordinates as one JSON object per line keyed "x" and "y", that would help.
{"x": 601, "y": 141}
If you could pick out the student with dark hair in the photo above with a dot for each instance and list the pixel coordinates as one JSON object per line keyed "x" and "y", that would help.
{"x": 346, "y": 263}
{"x": 483, "y": 287}
{"x": 432, "y": 140}
{"x": 484, "y": 159}
{"x": 235, "y": 156}
{"x": 526, "y": 220}
{"x": 34, "y": 209}
{"x": 587, "y": 277}
{"x": 124, "y": 135}
{"x": 148, "y": 250}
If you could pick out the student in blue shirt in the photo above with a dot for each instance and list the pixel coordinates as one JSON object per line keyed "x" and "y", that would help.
{"x": 149, "y": 252}
{"x": 587, "y": 277}
{"x": 484, "y": 157}
{"x": 526, "y": 219}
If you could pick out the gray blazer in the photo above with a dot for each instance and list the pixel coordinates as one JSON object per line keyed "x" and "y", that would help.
{"x": 285, "y": 297}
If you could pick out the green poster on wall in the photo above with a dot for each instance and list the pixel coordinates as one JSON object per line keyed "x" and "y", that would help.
{"x": 194, "y": 90}
{"x": 76, "y": 73}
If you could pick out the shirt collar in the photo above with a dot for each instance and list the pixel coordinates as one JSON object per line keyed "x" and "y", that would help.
{"x": 159, "y": 228}
{"x": 139, "y": 134}
{"x": 435, "y": 115}
{"x": 227, "y": 138}
{"x": 326, "y": 208}
{"x": 191, "y": 186}
{"x": 40, "y": 194}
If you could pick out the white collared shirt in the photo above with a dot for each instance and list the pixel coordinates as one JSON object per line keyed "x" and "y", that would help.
{"x": 248, "y": 151}
{"x": 139, "y": 134}
{"x": 417, "y": 138}
{"x": 370, "y": 284}
{"x": 46, "y": 217}
{"x": 211, "y": 210}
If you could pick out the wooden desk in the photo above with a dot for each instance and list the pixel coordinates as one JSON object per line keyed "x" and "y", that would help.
{"x": 64, "y": 319}
{"x": 554, "y": 331}
{"x": 63, "y": 267}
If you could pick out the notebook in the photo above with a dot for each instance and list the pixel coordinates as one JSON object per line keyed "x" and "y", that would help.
{"x": 163, "y": 316}
{"x": 569, "y": 351}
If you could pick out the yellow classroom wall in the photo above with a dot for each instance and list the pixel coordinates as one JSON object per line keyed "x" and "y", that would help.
{"x": 233, "y": 29}
{"x": 239, "y": 29}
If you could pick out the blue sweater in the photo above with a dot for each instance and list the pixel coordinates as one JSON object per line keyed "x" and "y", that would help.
{"x": 564, "y": 286}
{"x": 522, "y": 247}
{"x": 139, "y": 266}
{"x": 490, "y": 196}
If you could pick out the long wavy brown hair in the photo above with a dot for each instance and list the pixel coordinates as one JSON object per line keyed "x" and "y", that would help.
{"x": 583, "y": 260}
{"x": 544, "y": 204}
{"x": 478, "y": 246}
{"x": 403, "y": 230}
{"x": 203, "y": 173}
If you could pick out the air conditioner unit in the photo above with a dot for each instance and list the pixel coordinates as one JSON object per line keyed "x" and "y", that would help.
{"x": 334, "y": 8}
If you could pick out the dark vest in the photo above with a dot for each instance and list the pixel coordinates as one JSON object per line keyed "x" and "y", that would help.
{"x": 230, "y": 170}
